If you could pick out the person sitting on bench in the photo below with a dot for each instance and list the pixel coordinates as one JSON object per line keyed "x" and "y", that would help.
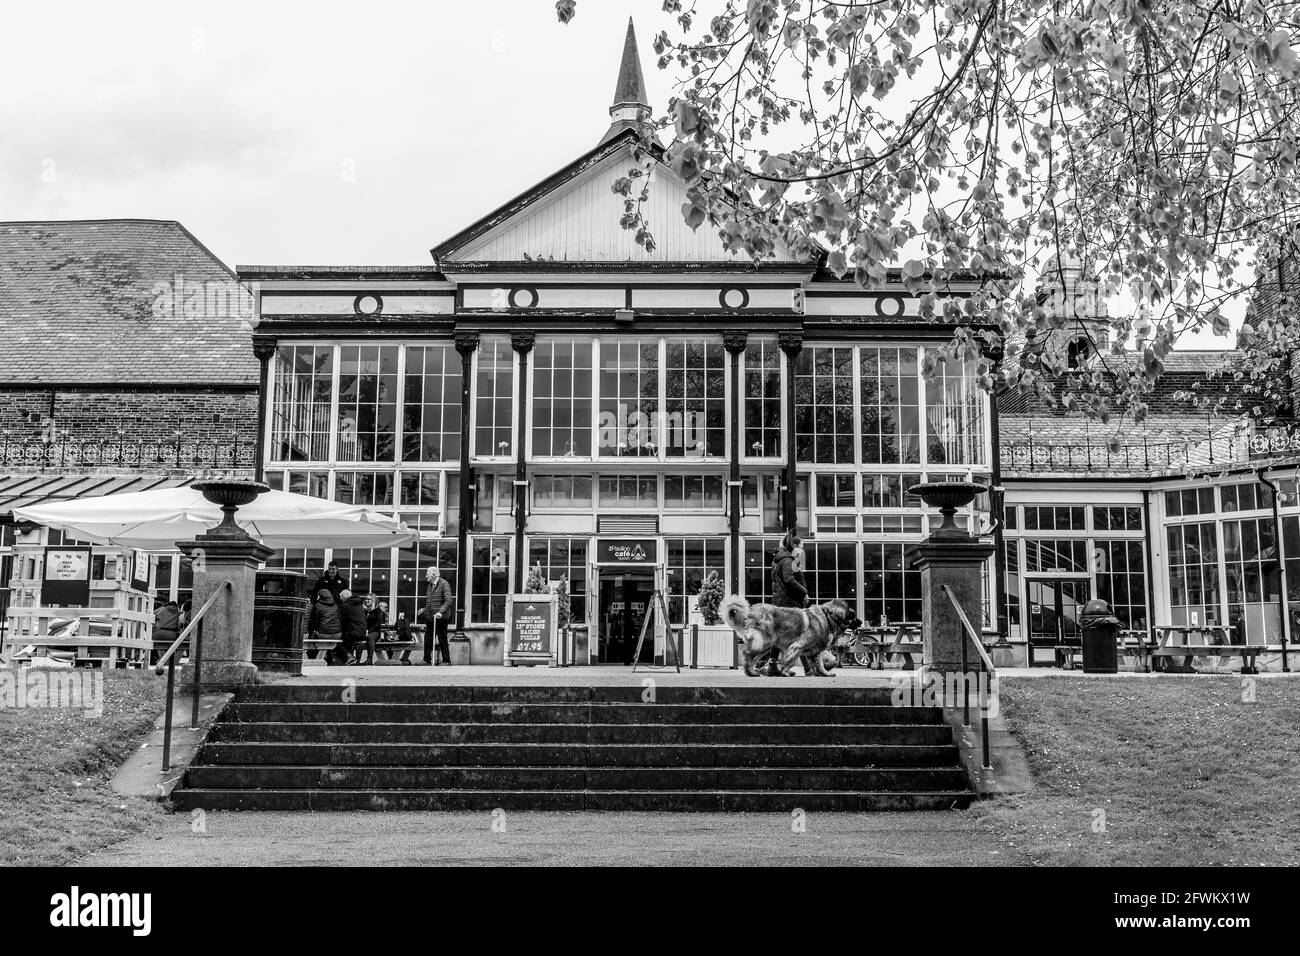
{"x": 325, "y": 622}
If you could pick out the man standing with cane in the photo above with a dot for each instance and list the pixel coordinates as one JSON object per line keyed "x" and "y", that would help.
{"x": 439, "y": 606}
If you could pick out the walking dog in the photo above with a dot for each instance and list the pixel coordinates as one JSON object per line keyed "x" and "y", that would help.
{"x": 795, "y": 633}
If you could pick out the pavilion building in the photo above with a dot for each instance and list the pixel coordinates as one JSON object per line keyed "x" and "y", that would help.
{"x": 548, "y": 391}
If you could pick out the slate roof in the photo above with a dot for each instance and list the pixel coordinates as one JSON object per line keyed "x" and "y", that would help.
{"x": 93, "y": 303}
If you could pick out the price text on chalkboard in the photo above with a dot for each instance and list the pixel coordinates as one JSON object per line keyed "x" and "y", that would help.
{"x": 531, "y": 626}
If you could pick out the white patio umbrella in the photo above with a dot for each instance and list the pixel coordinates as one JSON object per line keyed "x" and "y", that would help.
{"x": 156, "y": 520}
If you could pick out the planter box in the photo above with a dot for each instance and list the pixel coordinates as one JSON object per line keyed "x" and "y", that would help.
{"x": 486, "y": 646}
{"x": 716, "y": 646}
{"x": 459, "y": 647}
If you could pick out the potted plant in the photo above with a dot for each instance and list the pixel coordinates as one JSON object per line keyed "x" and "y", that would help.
{"x": 714, "y": 638}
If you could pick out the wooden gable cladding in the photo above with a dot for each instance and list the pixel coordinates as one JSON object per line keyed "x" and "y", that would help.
{"x": 575, "y": 217}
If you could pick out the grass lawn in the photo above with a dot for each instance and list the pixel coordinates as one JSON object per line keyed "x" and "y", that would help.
{"x": 1184, "y": 770}
{"x": 56, "y": 765}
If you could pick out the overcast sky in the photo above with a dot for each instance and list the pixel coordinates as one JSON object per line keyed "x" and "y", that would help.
{"x": 305, "y": 133}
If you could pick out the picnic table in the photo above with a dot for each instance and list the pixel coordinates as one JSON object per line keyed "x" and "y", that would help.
{"x": 1214, "y": 642}
{"x": 881, "y": 643}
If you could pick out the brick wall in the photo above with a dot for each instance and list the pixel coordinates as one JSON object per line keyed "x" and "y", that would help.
{"x": 200, "y": 414}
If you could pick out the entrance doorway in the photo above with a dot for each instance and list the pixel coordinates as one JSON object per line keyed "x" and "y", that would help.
{"x": 1055, "y": 605}
{"x": 623, "y": 602}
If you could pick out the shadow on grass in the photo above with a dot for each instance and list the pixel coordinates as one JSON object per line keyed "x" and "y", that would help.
{"x": 1170, "y": 770}
{"x": 56, "y": 768}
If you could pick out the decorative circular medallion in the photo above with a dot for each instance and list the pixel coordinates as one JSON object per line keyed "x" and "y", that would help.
{"x": 523, "y": 298}
{"x": 889, "y": 306}
{"x": 368, "y": 304}
{"x": 733, "y": 297}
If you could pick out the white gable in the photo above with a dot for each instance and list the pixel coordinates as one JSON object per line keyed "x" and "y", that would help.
{"x": 579, "y": 222}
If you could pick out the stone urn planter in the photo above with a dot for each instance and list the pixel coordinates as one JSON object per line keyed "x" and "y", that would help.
{"x": 230, "y": 494}
{"x": 947, "y": 496}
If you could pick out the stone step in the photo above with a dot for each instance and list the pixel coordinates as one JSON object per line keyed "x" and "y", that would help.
{"x": 578, "y": 713}
{"x": 594, "y": 755}
{"x": 648, "y": 733}
{"x": 262, "y": 777}
{"x": 755, "y": 801}
{"x": 795, "y": 690}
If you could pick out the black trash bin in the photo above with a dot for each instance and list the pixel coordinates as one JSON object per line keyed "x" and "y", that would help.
{"x": 1100, "y": 638}
{"x": 280, "y": 610}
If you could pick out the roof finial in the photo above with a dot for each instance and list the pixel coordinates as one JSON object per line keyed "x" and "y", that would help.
{"x": 629, "y": 109}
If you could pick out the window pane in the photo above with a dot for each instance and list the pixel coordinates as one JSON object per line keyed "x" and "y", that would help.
{"x": 695, "y": 390}
{"x": 629, "y": 397}
{"x": 494, "y": 403}
{"x": 367, "y": 402}
{"x": 824, "y": 405}
{"x": 763, "y": 399}
{"x": 431, "y": 404}
{"x": 561, "y": 406}
{"x": 954, "y": 413}
{"x": 890, "y": 393}
{"x": 300, "y": 410}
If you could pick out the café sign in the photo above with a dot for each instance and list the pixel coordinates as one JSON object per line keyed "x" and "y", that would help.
{"x": 627, "y": 551}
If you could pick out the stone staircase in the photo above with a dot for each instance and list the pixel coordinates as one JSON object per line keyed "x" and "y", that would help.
{"x": 427, "y": 747}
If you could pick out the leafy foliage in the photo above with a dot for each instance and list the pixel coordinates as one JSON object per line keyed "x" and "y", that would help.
{"x": 998, "y": 141}
{"x": 710, "y": 595}
{"x": 564, "y": 608}
{"x": 536, "y": 582}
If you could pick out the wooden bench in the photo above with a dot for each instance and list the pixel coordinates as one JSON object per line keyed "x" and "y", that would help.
{"x": 1189, "y": 652}
{"x": 390, "y": 647}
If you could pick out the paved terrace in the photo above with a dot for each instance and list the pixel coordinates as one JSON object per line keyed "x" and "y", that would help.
{"x": 607, "y": 675}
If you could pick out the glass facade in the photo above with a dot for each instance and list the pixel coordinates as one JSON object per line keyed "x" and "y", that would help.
{"x": 380, "y": 425}
{"x": 1073, "y": 552}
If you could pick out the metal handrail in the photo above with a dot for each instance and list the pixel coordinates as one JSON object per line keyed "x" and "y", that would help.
{"x": 986, "y": 664}
{"x": 168, "y": 660}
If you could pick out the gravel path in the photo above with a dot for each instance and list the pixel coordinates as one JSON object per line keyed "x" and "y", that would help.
{"x": 558, "y": 839}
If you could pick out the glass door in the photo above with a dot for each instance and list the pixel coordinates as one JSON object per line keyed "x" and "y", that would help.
{"x": 1055, "y": 605}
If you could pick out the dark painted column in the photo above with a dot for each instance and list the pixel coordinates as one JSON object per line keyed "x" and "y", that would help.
{"x": 998, "y": 509}
{"x": 791, "y": 343}
{"x": 522, "y": 342}
{"x": 263, "y": 348}
{"x": 466, "y": 345}
{"x": 734, "y": 342}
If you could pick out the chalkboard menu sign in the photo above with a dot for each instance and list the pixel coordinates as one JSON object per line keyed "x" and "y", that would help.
{"x": 66, "y": 582}
{"x": 530, "y": 627}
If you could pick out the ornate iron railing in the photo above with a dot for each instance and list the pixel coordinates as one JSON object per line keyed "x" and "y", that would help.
{"x": 1228, "y": 446}
{"x": 181, "y": 454}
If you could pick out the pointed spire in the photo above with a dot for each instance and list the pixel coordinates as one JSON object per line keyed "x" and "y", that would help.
{"x": 629, "y": 109}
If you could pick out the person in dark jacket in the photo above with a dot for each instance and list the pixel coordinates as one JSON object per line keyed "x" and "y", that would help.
{"x": 352, "y": 610}
{"x": 166, "y": 628}
{"x": 326, "y": 623}
{"x": 788, "y": 590}
{"x": 439, "y": 606}
{"x": 788, "y": 587}
{"x": 331, "y": 581}
{"x": 375, "y": 620}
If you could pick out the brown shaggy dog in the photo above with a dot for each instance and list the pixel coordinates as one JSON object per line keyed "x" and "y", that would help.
{"x": 797, "y": 634}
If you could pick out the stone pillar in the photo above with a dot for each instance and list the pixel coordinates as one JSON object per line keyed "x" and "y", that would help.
{"x": 734, "y": 342}
{"x": 227, "y": 655}
{"x": 954, "y": 559}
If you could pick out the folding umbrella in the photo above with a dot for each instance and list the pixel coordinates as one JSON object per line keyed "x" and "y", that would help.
{"x": 156, "y": 520}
